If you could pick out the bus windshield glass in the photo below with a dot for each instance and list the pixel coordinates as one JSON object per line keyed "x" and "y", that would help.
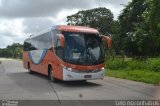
{"x": 83, "y": 48}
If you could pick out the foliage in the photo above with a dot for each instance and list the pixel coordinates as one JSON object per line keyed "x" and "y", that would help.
{"x": 12, "y": 51}
{"x": 132, "y": 34}
{"x": 136, "y": 32}
{"x": 151, "y": 64}
{"x": 154, "y": 26}
{"x": 139, "y": 32}
{"x": 99, "y": 18}
{"x": 136, "y": 75}
{"x": 116, "y": 65}
{"x": 136, "y": 64}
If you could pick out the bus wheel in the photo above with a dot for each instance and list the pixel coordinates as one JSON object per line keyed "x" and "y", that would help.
{"x": 50, "y": 75}
{"x": 29, "y": 69}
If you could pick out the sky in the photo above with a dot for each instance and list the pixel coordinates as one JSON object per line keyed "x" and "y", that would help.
{"x": 21, "y": 18}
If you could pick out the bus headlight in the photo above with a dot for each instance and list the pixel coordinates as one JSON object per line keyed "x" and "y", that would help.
{"x": 102, "y": 68}
{"x": 67, "y": 68}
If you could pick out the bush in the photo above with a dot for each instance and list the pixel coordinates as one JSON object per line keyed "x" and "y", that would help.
{"x": 116, "y": 64}
{"x": 136, "y": 75}
{"x": 153, "y": 64}
{"x": 136, "y": 64}
{"x": 133, "y": 69}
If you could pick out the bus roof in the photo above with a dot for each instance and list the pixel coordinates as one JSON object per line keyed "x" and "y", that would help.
{"x": 68, "y": 28}
{"x": 76, "y": 29}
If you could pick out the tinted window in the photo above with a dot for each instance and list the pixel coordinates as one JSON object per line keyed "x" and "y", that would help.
{"x": 83, "y": 48}
{"x": 57, "y": 45}
{"x": 28, "y": 45}
{"x": 58, "y": 49}
{"x": 43, "y": 41}
{"x": 55, "y": 37}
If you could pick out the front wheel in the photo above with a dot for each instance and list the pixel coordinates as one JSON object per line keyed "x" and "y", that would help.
{"x": 50, "y": 75}
{"x": 29, "y": 69}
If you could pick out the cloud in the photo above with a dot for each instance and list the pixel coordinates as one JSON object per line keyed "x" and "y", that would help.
{"x": 38, "y": 8}
{"x": 20, "y": 18}
{"x": 8, "y": 27}
{"x": 4, "y": 41}
{"x": 115, "y": 3}
{"x": 11, "y": 30}
{"x": 49, "y": 8}
{"x": 115, "y": 6}
{"x": 33, "y": 25}
{"x": 8, "y": 40}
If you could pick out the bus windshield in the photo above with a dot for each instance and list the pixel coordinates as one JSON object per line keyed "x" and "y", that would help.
{"x": 83, "y": 48}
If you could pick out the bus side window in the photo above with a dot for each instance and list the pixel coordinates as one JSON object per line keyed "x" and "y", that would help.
{"x": 54, "y": 32}
{"x": 27, "y": 46}
{"x": 58, "y": 49}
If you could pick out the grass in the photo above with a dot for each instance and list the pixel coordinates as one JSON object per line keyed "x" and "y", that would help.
{"x": 147, "y": 71}
{"x": 136, "y": 75}
{"x": 152, "y": 64}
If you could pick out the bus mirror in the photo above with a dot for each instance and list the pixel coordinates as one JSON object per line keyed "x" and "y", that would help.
{"x": 62, "y": 39}
{"x": 107, "y": 39}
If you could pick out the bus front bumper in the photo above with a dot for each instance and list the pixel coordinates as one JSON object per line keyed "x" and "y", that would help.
{"x": 69, "y": 75}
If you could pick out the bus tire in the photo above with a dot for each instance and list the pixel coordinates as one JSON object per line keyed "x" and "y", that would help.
{"x": 29, "y": 69}
{"x": 50, "y": 75}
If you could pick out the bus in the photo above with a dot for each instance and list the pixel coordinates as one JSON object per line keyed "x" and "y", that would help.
{"x": 67, "y": 53}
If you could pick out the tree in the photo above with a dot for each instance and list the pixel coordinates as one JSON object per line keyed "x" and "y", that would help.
{"x": 154, "y": 26}
{"x": 13, "y": 51}
{"x": 133, "y": 28}
{"x": 99, "y": 18}
{"x": 139, "y": 28}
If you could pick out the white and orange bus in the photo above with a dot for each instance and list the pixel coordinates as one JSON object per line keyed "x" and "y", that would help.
{"x": 66, "y": 53}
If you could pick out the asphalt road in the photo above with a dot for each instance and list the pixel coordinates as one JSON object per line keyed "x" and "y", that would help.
{"x": 17, "y": 84}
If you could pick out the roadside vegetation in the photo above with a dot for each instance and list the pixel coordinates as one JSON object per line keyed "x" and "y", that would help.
{"x": 12, "y": 51}
{"x": 143, "y": 70}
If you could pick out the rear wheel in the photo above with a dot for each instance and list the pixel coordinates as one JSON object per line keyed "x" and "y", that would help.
{"x": 50, "y": 75}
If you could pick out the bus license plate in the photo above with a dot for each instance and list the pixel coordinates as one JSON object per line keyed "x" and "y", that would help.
{"x": 87, "y": 76}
